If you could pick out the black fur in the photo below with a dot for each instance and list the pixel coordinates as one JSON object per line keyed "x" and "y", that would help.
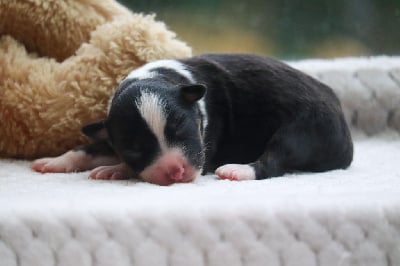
{"x": 260, "y": 112}
{"x": 264, "y": 112}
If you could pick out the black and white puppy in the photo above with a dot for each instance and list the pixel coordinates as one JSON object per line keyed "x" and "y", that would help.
{"x": 243, "y": 116}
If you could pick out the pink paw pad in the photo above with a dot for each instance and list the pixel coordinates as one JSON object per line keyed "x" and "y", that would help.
{"x": 236, "y": 172}
{"x": 71, "y": 161}
{"x": 113, "y": 172}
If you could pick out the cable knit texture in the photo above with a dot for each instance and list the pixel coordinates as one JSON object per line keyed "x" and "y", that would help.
{"x": 369, "y": 89}
{"x": 343, "y": 217}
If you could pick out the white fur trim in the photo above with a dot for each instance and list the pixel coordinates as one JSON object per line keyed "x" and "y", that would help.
{"x": 109, "y": 104}
{"x": 203, "y": 111}
{"x": 146, "y": 71}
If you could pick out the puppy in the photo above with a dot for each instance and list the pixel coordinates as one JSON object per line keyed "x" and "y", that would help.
{"x": 243, "y": 116}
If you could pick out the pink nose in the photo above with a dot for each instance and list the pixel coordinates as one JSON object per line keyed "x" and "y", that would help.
{"x": 176, "y": 172}
{"x": 171, "y": 167}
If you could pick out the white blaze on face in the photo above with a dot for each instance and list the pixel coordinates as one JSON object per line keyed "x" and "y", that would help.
{"x": 152, "y": 109}
{"x": 171, "y": 166}
{"x": 147, "y": 71}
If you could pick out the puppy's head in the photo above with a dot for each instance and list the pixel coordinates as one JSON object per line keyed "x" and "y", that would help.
{"x": 155, "y": 128}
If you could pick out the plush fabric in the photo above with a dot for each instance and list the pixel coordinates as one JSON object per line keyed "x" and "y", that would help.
{"x": 59, "y": 63}
{"x": 343, "y": 217}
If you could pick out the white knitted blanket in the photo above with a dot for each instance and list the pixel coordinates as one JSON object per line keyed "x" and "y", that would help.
{"x": 342, "y": 217}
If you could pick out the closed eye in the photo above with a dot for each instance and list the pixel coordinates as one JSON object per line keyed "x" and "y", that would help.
{"x": 177, "y": 129}
{"x": 109, "y": 142}
{"x": 180, "y": 132}
{"x": 133, "y": 155}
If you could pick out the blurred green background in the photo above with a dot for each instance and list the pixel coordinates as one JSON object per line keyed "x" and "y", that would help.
{"x": 288, "y": 29}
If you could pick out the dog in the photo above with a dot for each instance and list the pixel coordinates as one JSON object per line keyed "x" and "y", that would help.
{"x": 242, "y": 116}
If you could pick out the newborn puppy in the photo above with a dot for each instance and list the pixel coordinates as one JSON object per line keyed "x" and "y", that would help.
{"x": 243, "y": 116}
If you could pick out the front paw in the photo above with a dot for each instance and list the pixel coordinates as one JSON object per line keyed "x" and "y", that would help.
{"x": 113, "y": 172}
{"x": 71, "y": 161}
{"x": 236, "y": 172}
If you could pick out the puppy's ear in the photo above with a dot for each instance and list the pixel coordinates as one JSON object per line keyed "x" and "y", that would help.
{"x": 95, "y": 130}
{"x": 192, "y": 93}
